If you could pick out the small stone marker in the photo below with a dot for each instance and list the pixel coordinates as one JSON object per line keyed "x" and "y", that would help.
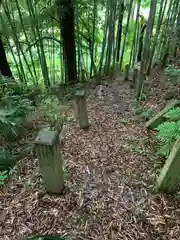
{"x": 158, "y": 118}
{"x": 126, "y": 72}
{"x": 146, "y": 86}
{"x": 134, "y": 77}
{"x": 49, "y": 155}
{"x": 81, "y": 110}
{"x": 170, "y": 173}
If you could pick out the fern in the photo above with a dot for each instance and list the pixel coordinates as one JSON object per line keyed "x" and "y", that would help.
{"x": 165, "y": 149}
{"x": 168, "y": 132}
{"x": 173, "y": 73}
{"x": 173, "y": 114}
{"x": 167, "y": 129}
{"x": 3, "y": 176}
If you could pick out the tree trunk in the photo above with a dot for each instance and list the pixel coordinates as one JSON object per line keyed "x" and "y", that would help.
{"x": 119, "y": 31}
{"x": 143, "y": 28}
{"x": 66, "y": 15}
{"x": 158, "y": 28}
{"x": 93, "y": 39}
{"x": 135, "y": 41}
{"x": 125, "y": 34}
{"x": 4, "y": 66}
{"x": 103, "y": 44}
{"x": 146, "y": 49}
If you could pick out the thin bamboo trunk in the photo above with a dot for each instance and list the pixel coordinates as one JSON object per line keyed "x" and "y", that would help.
{"x": 28, "y": 43}
{"x": 125, "y": 35}
{"x": 133, "y": 47}
{"x": 111, "y": 35}
{"x": 160, "y": 19}
{"x": 103, "y": 44}
{"x": 119, "y": 31}
{"x": 40, "y": 48}
{"x": 142, "y": 31}
{"x": 93, "y": 39}
{"x": 146, "y": 47}
{"x": 78, "y": 43}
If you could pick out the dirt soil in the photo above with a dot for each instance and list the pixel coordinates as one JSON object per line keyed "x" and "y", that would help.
{"x": 111, "y": 169}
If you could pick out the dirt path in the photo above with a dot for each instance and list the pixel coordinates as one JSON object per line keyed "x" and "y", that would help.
{"x": 111, "y": 170}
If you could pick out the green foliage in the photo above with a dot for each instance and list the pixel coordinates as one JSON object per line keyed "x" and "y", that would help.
{"x": 3, "y": 176}
{"x": 173, "y": 114}
{"x": 173, "y": 73}
{"x": 168, "y": 132}
{"x": 167, "y": 129}
{"x": 7, "y": 161}
{"x": 13, "y": 108}
{"x": 55, "y": 113}
{"x": 147, "y": 113}
{"x": 31, "y": 36}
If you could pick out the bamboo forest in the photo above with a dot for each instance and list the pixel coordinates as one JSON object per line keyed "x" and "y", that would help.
{"x": 89, "y": 119}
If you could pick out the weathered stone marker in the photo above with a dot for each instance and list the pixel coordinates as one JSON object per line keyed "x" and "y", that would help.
{"x": 134, "y": 77}
{"x": 170, "y": 174}
{"x": 126, "y": 72}
{"x": 49, "y": 155}
{"x": 81, "y": 110}
{"x": 146, "y": 86}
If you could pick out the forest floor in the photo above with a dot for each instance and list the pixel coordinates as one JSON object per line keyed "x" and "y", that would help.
{"x": 111, "y": 169}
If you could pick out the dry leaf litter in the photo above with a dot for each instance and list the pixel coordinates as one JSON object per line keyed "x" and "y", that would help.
{"x": 108, "y": 190}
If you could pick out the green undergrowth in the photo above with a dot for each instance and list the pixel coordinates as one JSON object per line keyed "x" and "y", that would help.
{"x": 7, "y": 160}
{"x": 173, "y": 73}
{"x": 55, "y": 113}
{"x": 168, "y": 132}
{"x": 3, "y": 176}
{"x": 147, "y": 113}
{"x": 15, "y": 103}
{"x": 18, "y": 108}
{"x": 142, "y": 114}
{"x": 18, "y": 101}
